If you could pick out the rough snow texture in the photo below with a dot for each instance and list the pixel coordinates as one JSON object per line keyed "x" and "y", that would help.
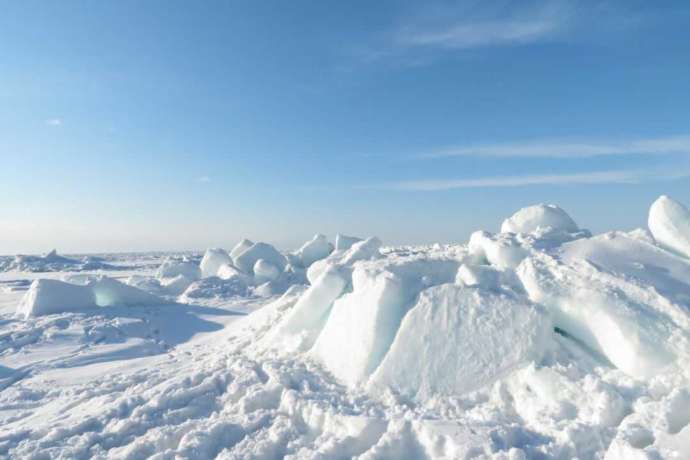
{"x": 669, "y": 222}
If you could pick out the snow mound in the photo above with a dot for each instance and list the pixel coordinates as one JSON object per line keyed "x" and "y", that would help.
{"x": 47, "y": 296}
{"x": 457, "y": 339}
{"x": 170, "y": 268}
{"x": 247, "y": 259}
{"x": 315, "y": 249}
{"x": 540, "y": 216}
{"x": 669, "y": 222}
{"x": 213, "y": 259}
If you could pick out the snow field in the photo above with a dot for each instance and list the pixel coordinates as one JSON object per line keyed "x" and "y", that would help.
{"x": 539, "y": 341}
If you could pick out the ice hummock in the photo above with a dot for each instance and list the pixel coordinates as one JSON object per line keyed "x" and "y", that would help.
{"x": 538, "y": 341}
{"x": 315, "y": 249}
{"x": 669, "y": 222}
{"x": 48, "y": 296}
{"x": 213, "y": 259}
{"x": 541, "y": 216}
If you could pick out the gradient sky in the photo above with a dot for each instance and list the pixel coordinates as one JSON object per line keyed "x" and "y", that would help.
{"x": 164, "y": 125}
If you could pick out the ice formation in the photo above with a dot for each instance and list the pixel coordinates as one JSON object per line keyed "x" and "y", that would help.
{"x": 51, "y": 262}
{"x": 457, "y": 339}
{"x": 343, "y": 242}
{"x": 213, "y": 259}
{"x": 246, "y": 259}
{"x": 240, "y": 248}
{"x": 316, "y": 249}
{"x": 669, "y": 222}
{"x": 170, "y": 268}
{"x": 47, "y": 296}
{"x": 265, "y": 271}
{"x": 540, "y": 216}
{"x": 539, "y": 341}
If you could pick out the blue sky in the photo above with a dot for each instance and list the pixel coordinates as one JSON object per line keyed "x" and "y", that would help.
{"x": 179, "y": 125}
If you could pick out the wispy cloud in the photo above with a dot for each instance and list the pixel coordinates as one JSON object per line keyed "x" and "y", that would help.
{"x": 587, "y": 178}
{"x": 561, "y": 149}
{"x": 204, "y": 179}
{"x": 54, "y": 122}
{"x": 487, "y": 33}
{"x": 473, "y": 25}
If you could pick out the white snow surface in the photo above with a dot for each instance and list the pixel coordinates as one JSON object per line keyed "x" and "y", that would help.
{"x": 538, "y": 342}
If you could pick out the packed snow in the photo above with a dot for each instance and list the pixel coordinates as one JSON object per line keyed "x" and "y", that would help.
{"x": 537, "y": 341}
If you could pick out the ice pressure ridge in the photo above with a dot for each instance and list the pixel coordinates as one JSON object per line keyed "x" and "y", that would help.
{"x": 448, "y": 319}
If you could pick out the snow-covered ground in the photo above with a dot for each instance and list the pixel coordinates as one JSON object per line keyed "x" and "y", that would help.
{"x": 540, "y": 341}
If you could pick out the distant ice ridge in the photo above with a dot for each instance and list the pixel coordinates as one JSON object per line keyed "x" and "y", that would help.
{"x": 52, "y": 262}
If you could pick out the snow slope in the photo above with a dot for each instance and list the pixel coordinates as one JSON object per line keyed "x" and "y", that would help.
{"x": 540, "y": 341}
